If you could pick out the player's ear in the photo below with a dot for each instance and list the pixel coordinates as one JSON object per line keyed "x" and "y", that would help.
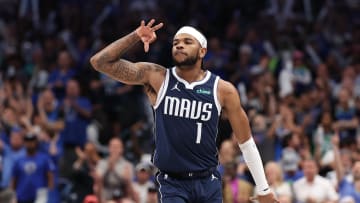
{"x": 202, "y": 52}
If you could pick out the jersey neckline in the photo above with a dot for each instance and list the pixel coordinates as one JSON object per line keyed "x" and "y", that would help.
{"x": 192, "y": 84}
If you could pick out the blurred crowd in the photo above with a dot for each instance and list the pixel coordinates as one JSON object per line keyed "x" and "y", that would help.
{"x": 71, "y": 134}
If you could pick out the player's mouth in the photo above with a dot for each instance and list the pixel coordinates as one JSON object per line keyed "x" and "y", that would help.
{"x": 180, "y": 53}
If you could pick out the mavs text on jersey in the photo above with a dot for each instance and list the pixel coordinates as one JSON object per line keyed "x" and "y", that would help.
{"x": 186, "y": 117}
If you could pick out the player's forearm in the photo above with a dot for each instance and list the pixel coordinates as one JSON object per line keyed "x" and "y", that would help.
{"x": 240, "y": 125}
{"x": 253, "y": 161}
{"x": 251, "y": 153}
{"x": 114, "y": 51}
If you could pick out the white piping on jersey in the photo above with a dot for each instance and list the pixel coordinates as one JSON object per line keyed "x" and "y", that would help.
{"x": 162, "y": 90}
{"x": 216, "y": 99}
{"x": 217, "y": 150}
{"x": 193, "y": 84}
{"x": 157, "y": 178}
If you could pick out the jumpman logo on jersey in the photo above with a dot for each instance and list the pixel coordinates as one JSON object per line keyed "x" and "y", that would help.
{"x": 176, "y": 87}
{"x": 213, "y": 177}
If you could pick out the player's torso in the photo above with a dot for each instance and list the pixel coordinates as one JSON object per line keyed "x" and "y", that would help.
{"x": 186, "y": 118}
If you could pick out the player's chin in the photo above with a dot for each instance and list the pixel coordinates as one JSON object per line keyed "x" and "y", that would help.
{"x": 179, "y": 60}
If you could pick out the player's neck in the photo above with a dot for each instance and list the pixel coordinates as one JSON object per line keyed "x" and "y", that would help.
{"x": 191, "y": 74}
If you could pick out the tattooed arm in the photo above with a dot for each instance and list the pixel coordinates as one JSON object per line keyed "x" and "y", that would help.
{"x": 109, "y": 62}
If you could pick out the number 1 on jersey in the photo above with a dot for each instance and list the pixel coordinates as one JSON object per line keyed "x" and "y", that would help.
{"x": 198, "y": 133}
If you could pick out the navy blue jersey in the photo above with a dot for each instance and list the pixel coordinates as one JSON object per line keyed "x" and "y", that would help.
{"x": 186, "y": 119}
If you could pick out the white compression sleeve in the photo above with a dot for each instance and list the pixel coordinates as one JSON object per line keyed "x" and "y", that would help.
{"x": 253, "y": 160}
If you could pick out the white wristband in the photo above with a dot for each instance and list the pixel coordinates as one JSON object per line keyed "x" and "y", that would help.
{"x": 253, "y": 160}
{"x": 264, "y": 191}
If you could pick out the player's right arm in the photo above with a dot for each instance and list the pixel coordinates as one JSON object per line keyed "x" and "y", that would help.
{"x": 109, "y": 61}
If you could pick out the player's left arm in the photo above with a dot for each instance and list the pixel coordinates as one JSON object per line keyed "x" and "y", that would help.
{"x": 230, "y": 102}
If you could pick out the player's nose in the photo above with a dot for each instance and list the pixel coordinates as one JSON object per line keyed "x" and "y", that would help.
{"x": 179, "y": 46}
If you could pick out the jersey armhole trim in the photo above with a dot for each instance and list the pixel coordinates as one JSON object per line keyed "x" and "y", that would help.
{"x": 216, "y": 99}
{"x": 162, "y": 90}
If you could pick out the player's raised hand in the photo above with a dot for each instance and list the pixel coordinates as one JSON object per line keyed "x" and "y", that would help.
{"x": 147, "y": 32}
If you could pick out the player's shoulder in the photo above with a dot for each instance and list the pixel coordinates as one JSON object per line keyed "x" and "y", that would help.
{"x": 155, "y": 75}
{"x": 226, "y": 90}
{"x": 226, "y": 87}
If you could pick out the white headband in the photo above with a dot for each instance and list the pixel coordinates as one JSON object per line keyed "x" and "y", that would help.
{"x": 195, "y": 33}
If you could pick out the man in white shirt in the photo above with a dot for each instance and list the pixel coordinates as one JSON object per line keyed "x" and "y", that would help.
{"x": 313, "y": 188}
{"x": 143, "y": 182}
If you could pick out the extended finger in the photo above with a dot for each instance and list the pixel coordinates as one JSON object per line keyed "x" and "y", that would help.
{"x": 142, "y": 23}
{"x": 158, "y": 26}
{"x": 152, "y": 21}
{"x": 146, "y": 46}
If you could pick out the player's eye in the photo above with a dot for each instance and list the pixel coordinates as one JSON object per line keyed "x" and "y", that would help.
{"x": 188, "y": 41}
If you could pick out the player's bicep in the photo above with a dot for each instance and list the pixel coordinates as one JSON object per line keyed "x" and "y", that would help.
{"x": 232, "y": 106}
{"x": 235, "y": 113}
{"x": 155, "y": 74}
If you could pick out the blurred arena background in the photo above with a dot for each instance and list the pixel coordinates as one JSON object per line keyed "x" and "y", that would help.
{"x": 295, "y": 63}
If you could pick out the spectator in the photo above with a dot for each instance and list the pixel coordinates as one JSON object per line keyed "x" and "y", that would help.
{"x": 282, "y": 189}
{"x": 9, "y": 121}
{"x": 114, "y": 172}
{"x": 322, "y": 140}
{"x": 77, "y": 111}
{"x": 242, "y": 71}
{"x": 9, "y": 154}
{"x": 143, "y": 182}
{"x": 40, "y": 74}
{"x": 266, "y": 144}
{"x": 346, "y": 188}
{"x": 60, "y": 76}
{"x": 346, "y": 121}
{"x": 32, "y": 173}
{"x": 290, "y": 164}
{"x": 301, "y": 74}
{"x": 50, "y": 116}
{"x": 312, "y": 187}
{"x": 284, "y": 123}
{"x": 49, "y": 143}
{"x": 217, "y": 57}
{"x": 84, "y": 171}
{"x": 234, "y": 188}
{"x": 226, "y": 154}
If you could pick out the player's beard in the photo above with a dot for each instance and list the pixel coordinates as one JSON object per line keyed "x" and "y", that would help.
{"x": 188, "y": 62}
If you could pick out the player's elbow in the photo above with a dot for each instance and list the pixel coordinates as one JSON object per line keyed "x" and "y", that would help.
{"x": 94, "y": 61}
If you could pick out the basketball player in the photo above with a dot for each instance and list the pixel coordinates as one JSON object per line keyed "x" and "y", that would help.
{"x": 187, "y": 101}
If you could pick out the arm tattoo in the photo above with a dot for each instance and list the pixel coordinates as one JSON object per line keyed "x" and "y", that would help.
{"x": 109, "y": 61}
{"x": 126, "y": 71}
